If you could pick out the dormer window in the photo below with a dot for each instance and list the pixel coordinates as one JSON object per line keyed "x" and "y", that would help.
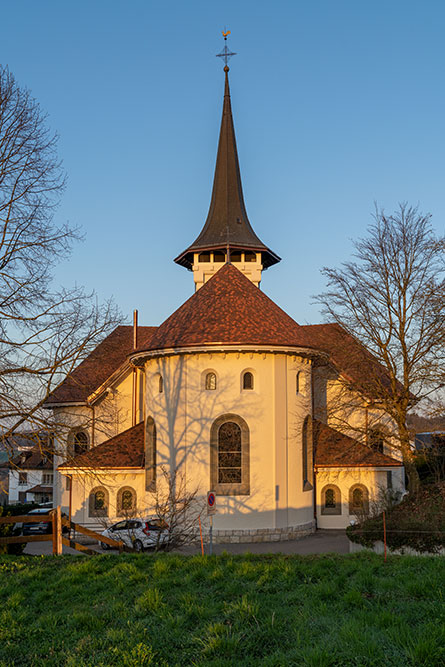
{"x": 248, "y": 380}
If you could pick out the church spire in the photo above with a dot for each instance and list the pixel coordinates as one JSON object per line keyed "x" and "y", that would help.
{"x": 227, "y": 225}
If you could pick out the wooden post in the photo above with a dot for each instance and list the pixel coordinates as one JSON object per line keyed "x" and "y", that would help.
{"x": 57, "y": 532}
{"x": 384, "y": 534}
{"x": 53, "y": 514}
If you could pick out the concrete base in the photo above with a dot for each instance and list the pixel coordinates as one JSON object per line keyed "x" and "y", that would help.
{"x": 263, "y": 534}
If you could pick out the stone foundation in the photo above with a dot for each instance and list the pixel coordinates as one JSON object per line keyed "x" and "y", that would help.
{"x": 263, "y": 534}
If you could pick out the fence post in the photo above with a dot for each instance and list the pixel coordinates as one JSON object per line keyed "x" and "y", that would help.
{"x": 54, "y": 529}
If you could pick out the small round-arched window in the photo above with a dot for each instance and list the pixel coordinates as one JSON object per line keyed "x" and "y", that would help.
{"x": 331, "y": 500}
{"x": 210, "y": 383}
{"x": 248, "y": 380}
{"x": 126, "y": 500}
{"x": 161, "y": 384}
{"x": 98, "y": 502}
{"x": 358, "y": 499}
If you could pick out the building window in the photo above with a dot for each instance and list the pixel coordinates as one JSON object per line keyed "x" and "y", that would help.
{"x": 230, "y": 456}
{"x": 331, "y": 500}
{"x": 358, "y": 499}
{"x": 306, "y": 457}
{"x": 98, "y": 502}
{"x": 235, "y": 256}
{"x": 297, "y": 383}
{"x": 150, "y": 454}
{"x": 79, "y": 442}
{"x": 23, "y": 478}
{"x": 248, "y": 380}
{"x": 126, "y": 501}
{"x": 47, "y": 478}
{"x": 204, "y": 257}
{"x": 389, "y": 479}
{"x": 250, "y": 256}
{"x": 210, "y": 383}
{"x": 161, "y": 384}
{"x": 68, "y": 483}
{"x": 376, "y": 439}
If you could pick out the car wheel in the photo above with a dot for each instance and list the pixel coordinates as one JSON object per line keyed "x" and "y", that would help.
{"x": 138, "y": 546}
{"x": 104, "y": 546}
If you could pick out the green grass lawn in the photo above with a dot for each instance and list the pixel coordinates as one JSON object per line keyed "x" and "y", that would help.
{"x": 225, "y": 610}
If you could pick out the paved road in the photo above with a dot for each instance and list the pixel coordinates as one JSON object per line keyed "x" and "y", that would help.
{"x": 323, "y": 541}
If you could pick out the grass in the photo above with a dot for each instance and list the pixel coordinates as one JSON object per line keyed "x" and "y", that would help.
{"x": 137, "y": 610}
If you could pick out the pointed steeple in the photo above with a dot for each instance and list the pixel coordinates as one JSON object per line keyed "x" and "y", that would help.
{"x": 227, "y": 224}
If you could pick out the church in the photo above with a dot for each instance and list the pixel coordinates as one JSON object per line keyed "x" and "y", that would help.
{"x": 277, "y": 419}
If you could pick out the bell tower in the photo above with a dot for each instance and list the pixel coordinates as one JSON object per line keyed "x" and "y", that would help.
{"x": 227, "y": 235}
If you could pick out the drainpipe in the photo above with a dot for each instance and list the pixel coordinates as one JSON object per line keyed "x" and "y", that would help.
{"x": 135, "y": 372}
{"x": 70, "y": 477}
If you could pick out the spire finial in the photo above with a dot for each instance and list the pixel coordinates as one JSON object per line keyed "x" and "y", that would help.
{"x": 225, "y": 53}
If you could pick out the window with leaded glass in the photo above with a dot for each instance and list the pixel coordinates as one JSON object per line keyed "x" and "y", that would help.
{"x": 211, "y": 381}
{"x": 229, "y": 454}
{"x": 358, "y": 499}
{"x": 330, "y": 500}
{"x": 80, "y": 442}
{"x": 126, "y": 500}
{"x": 98, "y": 502}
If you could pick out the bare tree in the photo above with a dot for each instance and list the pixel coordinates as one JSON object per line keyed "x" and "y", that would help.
{"x": 44, "y": 330}
{"x": 391, "y": 298}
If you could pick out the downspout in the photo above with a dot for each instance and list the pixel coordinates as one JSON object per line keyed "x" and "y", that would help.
{"x": 70, "y": 477}
{"x": 135, "y": 372}
{"x": 314, "y": 474}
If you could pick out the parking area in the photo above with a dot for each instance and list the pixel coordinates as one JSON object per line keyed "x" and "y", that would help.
{"x": 321, "y": 542}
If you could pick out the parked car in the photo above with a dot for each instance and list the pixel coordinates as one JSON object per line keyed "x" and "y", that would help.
{"x": 42, "y": 527}
{"x": 139, "y": 534}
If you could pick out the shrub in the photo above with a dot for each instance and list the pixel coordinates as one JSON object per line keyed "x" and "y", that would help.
{"x": 417, "y": 522}
{"x": 7, "y": 530}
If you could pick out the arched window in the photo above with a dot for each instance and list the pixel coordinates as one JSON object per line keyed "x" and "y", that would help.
{"x": 330, "y": 500}
{"x": 229, "y": 456}
{"x": 376, "y": 438}
{"x": 150, "y": 454}
{"x": 78, "y": 442}
{"x": 126, "y": 501}
{"x": 161, "y": 384}
{"x": 98, "y": 501}
{"x": 358, "y": 499}
{"x": 248, "y": 380}
{"x": 306, "y": 454}
{"x": 297, "y": 383}
{"x": 210, "y": 383}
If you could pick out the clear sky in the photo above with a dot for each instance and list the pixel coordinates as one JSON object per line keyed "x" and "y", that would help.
{"x": 337, "y": 105}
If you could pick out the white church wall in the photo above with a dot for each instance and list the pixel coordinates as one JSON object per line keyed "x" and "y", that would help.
{"x": 374, "y": 479}
{"x": 184, "y": 412}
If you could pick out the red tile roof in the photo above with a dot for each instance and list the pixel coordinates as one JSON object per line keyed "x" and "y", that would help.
{"x": 125, "y": 450}
{"x": 337, "y": 450}
{"x": 229, "y": 309}
{"x": 103, "y": 361}
{"x": 350, "y": 357}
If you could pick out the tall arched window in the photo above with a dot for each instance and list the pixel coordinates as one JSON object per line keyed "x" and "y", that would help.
{"x": 78, "y": 442}
{"x": 98, "y": 501}
{"x": 306, "y": 454}
{"x": 358, "y": 499}
{"x": 150, "y": 454}
{"x": 297, "y": 382}
{"x": 248, "y": 380}
{"x": 330, "y": 500}
{"x": 161, "y": 384}
{"x": 126, "y": 501}
{"x": 230, "y": 456}
{"x": 210, "y": 383}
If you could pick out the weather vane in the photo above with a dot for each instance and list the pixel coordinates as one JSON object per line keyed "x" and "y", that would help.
{"x": 225, "y": 53}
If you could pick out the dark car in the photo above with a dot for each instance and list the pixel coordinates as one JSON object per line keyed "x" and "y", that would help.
{"x": 41, "y": 527}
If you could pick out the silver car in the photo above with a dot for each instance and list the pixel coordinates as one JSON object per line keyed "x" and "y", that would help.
{"x": 138, "y": 534}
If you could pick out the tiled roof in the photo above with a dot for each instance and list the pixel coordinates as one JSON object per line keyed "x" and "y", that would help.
{"x": 350, "y": 357}
{"x": 125, "y": 450}
{"x": 229, "y": 309}
{"x": 103, "y": 361}
{"x": 34, "y": 459}
{"x": 337, "y": 450}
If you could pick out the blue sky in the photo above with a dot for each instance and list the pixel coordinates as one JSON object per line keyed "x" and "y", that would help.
{"x": 337, "y": 105}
